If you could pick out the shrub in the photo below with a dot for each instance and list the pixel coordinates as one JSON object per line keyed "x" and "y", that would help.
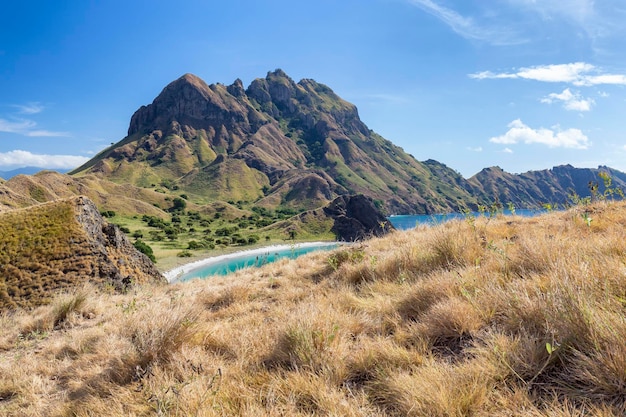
{"x": 108, "y": 214}
{"x": 226, "y": 231}
{"x": 144, "y": 248}
{"x": 178, "y": 204}
{"x": 193, "y": 245}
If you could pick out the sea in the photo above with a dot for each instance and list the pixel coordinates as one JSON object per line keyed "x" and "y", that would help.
{"x": 410, "y": 221}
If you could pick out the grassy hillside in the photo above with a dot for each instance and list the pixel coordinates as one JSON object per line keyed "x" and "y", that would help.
{"x": 23, "y": 191}
{"x": 479, "y": 317}
{"x": 60, "y": 245}
{"x": 34, "y": 247}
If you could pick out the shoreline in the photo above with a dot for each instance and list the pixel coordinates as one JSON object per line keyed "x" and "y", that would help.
{"x": 174, "y": 274}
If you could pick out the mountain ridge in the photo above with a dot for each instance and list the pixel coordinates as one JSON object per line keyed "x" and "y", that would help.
{"x": 278, "y": 143}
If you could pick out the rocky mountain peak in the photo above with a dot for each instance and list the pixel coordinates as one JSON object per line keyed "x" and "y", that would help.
{"x": 236, "y": 88}
{"x": 189, "y": 101}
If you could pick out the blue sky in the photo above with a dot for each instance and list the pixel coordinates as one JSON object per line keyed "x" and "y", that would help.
{"x": 522, "y": 84}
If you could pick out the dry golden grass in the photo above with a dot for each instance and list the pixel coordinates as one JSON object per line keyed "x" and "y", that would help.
{"x": 501, "y": 317}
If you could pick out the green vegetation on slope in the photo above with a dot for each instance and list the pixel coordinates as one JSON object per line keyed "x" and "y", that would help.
{"x": 188, "y": 233}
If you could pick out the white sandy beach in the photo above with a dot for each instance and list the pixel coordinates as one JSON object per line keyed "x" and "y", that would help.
{"x": 175, "y": 273}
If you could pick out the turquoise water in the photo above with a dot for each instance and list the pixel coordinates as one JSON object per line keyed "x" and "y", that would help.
{"x": 406, "y": 222}
{"x": 237, "y": 262}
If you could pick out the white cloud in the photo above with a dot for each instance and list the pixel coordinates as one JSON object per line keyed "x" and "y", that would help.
{"x": 579, "y": 11}
{"x": 599, "y": 21}
{"x": 468, "y": 27}
{"x": 27, "y": 128}
{"x": 46, "y": 133}
{"x": 507, "y": 150}
{"x": 16, "y": 126}
{"x": 30, "y": 108}
{"x": 477, "y": 149}
{"x": 520, "y": 133}
{"x": 577, "y": 73}
{"x": 571, "y": 101}
{"x": 18, "y": 158}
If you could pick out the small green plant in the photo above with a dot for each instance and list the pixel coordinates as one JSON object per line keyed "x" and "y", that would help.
{"x": 609, "y": 190}
{"x": 495, "y": 208}
{"x": 511, "y": 208}
{"x": 352, "y": 255}
{"x": 551, "y": 348}
{"x": 470, "y": 218}
{"x": 37, "y": 334}
{"x": 578, "y": 200}
{"x": 129, "y": 307}
{"x": 586, "y": 218}
{"x": 184, "y": 254}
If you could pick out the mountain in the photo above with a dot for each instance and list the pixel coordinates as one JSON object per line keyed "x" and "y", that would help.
{"x": 61, "y": 245}
{"x": 559, "y": 185}
{"x": 276, "y": 143}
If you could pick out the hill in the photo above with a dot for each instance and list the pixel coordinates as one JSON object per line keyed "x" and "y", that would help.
{"x": 62, "y": 245}
{"x": 504, "y": 316}
{"x": 276, "y": 143}
{"x": 560, "y": 185}
{"x": 25, "y": 190}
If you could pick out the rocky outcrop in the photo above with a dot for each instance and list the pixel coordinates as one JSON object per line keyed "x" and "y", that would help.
{"x": 120, "y": 263}
{"x": 356, "y": 217}
{"x": 61, "y": 245}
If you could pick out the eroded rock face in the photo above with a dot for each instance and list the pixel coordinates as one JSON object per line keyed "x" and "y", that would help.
{"x": 356, "y": 218}
{"x": 120, "y": 263}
